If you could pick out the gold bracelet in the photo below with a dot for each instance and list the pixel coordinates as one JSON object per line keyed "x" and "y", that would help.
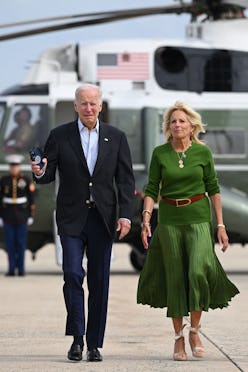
{"x": 146, "y": 211}
{"x": 221, "y": 225}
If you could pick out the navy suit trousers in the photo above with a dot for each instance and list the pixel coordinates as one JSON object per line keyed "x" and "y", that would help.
{"x": 97, "y": 244}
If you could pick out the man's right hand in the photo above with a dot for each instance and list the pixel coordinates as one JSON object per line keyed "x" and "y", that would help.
{"x": 36, "y": 169}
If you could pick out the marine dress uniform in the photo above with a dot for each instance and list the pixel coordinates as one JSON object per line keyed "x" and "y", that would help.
{"x": 16, "y": 212}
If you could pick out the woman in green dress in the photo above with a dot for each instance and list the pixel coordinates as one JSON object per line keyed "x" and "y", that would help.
{"x": 182, "y": 271}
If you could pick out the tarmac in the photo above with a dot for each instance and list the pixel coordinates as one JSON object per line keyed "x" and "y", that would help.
{"x": 137, "y": 337}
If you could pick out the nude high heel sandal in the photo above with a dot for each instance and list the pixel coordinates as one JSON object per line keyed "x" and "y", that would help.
{"x": 180, "y": 355}
{"x": 197, "y": 351}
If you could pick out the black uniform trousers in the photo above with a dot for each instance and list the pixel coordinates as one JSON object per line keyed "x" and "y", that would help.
{"x": 97, "y": 243}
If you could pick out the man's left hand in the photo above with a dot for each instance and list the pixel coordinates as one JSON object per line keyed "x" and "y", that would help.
{"x": 123, "y": 225}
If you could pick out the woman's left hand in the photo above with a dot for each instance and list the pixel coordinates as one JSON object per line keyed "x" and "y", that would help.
{"x": 222, "y": 238}
{"x": 145, "y": 234}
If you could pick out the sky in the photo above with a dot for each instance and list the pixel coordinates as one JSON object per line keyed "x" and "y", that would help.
{"x": 16, "y": 55}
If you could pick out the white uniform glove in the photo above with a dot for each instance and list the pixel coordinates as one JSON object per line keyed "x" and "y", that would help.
{"x": 30, "y": 221}
{"x": 1, "y": 222}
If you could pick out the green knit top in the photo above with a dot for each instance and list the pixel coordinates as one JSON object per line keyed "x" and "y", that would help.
{"x": 198, "y": 176}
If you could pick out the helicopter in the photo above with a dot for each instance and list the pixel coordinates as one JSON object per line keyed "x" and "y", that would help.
{"x": 139, "y": 78}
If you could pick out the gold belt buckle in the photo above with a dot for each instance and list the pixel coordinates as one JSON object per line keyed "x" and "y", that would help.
{"x": 183, "y": 205}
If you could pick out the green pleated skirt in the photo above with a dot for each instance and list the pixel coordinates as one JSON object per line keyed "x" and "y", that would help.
{"x": 182, "y": 272}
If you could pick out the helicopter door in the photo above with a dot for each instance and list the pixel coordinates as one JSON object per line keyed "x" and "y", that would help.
{"x": 64, "y": 112}
{"x": 153, "y": 136}
{"x": 2, "y": 112}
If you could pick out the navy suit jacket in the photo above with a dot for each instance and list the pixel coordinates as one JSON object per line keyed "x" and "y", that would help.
{"x": 111, "y": 184}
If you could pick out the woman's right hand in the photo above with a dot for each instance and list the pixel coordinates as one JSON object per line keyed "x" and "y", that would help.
{"x": 145, "y": 234}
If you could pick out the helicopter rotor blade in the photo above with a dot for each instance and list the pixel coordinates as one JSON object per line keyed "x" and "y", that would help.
{"x": 242, "y": 3}
{"x": 50, "y": 19}
{"x": 61, "y": 18}
{"x": 139, "y": 11}
{"x": 99, "y": 18}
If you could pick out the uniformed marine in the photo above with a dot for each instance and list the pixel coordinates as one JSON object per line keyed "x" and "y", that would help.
{"x": 16, "y": 212}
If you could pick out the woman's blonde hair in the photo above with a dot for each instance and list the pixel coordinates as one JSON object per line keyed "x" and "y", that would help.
{"x": 193, "y": 116}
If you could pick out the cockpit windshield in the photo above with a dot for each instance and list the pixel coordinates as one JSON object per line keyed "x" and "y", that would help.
{"x": 27, "y": 126}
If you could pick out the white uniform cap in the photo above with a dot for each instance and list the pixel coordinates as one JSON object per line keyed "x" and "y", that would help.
{"x": 14, "y": 159}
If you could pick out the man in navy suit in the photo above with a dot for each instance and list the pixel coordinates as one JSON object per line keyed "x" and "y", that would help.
{"x": 96, "y": 186}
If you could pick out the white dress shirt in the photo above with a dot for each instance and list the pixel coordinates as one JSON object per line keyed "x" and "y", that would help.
{"x": 89, "y": 141}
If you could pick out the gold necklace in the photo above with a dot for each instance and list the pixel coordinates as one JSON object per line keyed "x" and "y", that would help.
{"x": 182, "y": 156}
{"x": 180, "y": 159}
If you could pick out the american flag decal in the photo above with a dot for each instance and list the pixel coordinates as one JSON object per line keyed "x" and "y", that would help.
{"x": 123, "y": 66}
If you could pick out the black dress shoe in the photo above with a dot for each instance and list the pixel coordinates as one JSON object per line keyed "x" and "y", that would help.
{"x": 10, "y": 273}
{"x": 75, "y": 352}
{"x": 94, "y": 355}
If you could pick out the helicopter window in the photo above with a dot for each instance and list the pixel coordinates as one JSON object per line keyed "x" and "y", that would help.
{"x": 171, "y": 59}
{"x": 27, "y": 126}
{"x": 226, "y": 142}
{"x": 138, "y": 85}
{"x": 2, "y": 111}
{"x": 240, "y": 71}
{"x": 218, "y": 72}
{"x": 170, "y": 68}
{"x": 199, "y": 69}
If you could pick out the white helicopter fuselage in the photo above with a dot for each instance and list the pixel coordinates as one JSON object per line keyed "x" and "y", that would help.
{"x": 139, "y": 79}
{"x": 56, "y": 66}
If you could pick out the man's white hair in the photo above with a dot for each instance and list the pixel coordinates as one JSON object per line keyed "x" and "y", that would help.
{"x": 88, "y": 86}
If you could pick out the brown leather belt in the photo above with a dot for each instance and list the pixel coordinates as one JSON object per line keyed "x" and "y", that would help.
{"x": 183, "y": 202}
